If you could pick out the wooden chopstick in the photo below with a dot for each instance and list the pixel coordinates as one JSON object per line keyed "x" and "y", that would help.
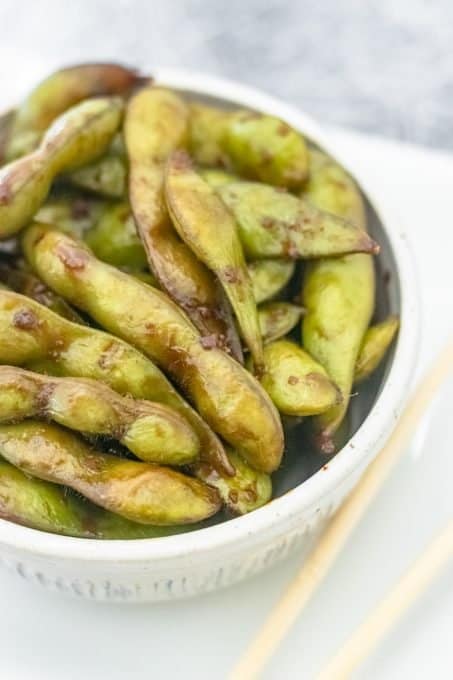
{"x": 387, "y": 614}
{"x": 318, "y": 563}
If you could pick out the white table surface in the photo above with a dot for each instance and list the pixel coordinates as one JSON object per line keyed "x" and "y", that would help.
{"x": 43, "y": 636}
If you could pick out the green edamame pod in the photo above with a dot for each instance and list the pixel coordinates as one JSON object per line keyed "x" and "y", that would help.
{"x": 207, "y": 227}
{"x": 269, "y": 277}
{"x": 59, "y": 92}
{"x": 206, "y": 132}
{"x": 156, "y": 124}
{"x": 141, "y": 492}
{"x": 245, "y": 491}
{"x": 375, "y": 344}
{"x": 114, "y": 238}
{"x": 297, "y": 384}
{"x": 273, "y": 223}
{"x": 76, "y": 138}
{"x": 338, "y": 293}
{"x": 255, "y": 145}
{"x": 225, "y": 394}
{"x": 36, "y": 338}
{"x": 153, "y": 432}
{"x": 277, "y": 319}
{"x": 106, "y": 176}
{"x": 48, "y": 507}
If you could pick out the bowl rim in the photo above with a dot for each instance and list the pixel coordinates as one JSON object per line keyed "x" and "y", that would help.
{"x": 272, "y": 518}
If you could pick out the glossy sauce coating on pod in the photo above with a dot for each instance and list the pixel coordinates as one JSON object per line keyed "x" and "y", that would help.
{"x": 225, "y": 394}
{"x": 208, "y": 228}
{"x": 247, "y": 490}
{"x": 297, "y": 384}
{"x": 34, "y": 337}
{"x": 141, "y": 492}
{"x": 48, "y": 507}
{"x": 76, "y": 138}
{"x": 59, "y": 92}
{"x": 153, "y": 432}
{"x": 338, "y": 294}
{"x": 156, "y": 124}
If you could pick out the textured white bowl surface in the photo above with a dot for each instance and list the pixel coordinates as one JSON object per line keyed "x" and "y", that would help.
{"x": 183, "y": 565}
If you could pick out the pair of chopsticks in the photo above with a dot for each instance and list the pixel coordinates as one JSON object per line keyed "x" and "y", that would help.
{"x": 364, "y": 640}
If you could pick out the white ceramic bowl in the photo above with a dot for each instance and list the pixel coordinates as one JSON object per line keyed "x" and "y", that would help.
{"x": 214, "y": 557}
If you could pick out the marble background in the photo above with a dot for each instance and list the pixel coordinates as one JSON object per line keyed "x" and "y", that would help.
{"x": 380, "y": 66}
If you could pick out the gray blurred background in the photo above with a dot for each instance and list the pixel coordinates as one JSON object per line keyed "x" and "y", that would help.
{"x": 378, "y": 66}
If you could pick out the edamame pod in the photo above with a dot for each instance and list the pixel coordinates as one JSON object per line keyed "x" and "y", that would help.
{"x": 225, "y": 394}
{"x": 277, "y": 319}
{"x": 59, "y": 92}
{"x": 273, "y": 223}
{"x": 245, "y": 491}
{"x": 48, "y": 507}
{"x": 269, "y": 277}
{"x": 376, "y": 342}
{"x": 153, "y": 432}
{"x": 338, "y": 293}
{"x": 156, "y": 124}
{"x": 297, "y": 384}
{"x": 114, "y": 238}
{"x": 76, "y": 138}
{"x": 255, "y": 145}
{"x": 207, "y": 227}
{"x": 108, "y": 175}
{"x": 141, "y": 492}
{"x": 34, "y": 337}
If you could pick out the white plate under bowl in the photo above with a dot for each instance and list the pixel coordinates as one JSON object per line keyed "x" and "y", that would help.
{"x": 307, "y": 492}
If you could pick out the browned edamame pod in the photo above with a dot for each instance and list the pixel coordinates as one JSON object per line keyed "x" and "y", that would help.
{"x": 76, "y": 138}
{"x": 210, "y": 231}
{"x": 34, "y": 337}
{"x": 153, "y": 432}
{"x": 59, "y": 92}
{"x": 48, "y": 507}
{"x": 338, "y": 293}
{"x": 254, "y": 144}
{"x": 297, "y": 384}
{"x": 141, "y": 492}
{"x": 247, "y": 490}
{"x": 225, "y": 394}
{"x": 274, "y": 223}
{"x": 156, "y": 124}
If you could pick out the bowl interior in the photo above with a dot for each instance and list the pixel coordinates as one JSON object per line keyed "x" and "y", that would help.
{"x": 300, "y": 462}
